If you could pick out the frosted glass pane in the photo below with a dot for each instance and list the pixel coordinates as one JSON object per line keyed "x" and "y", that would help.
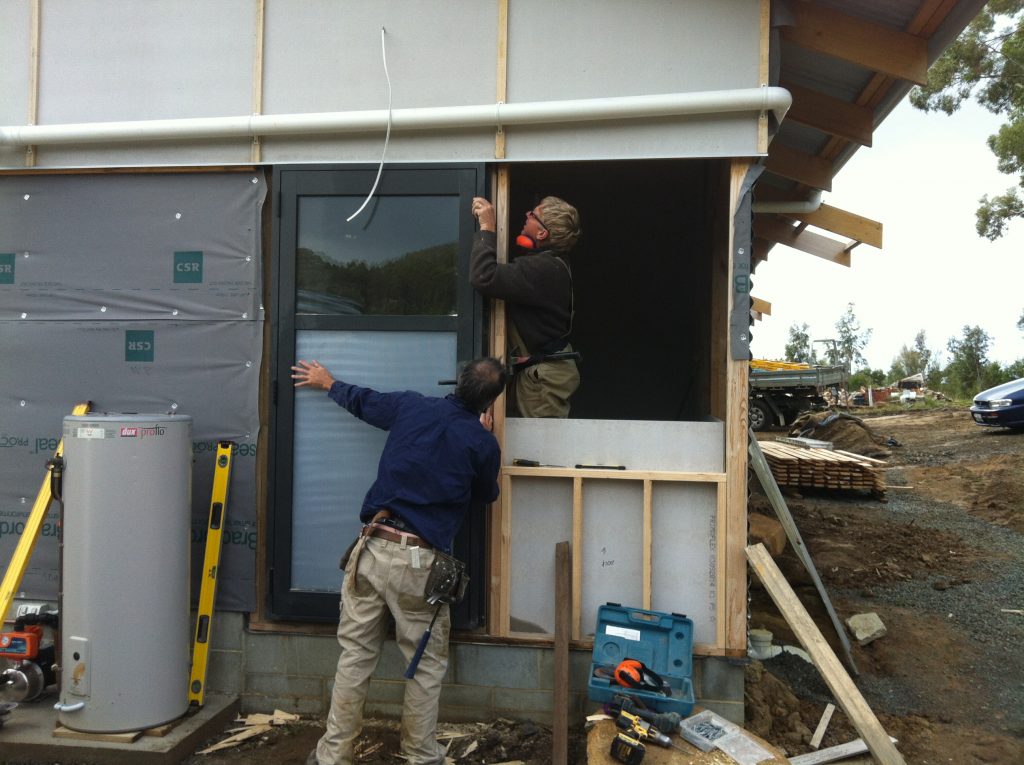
{"x": 335, "y": 454}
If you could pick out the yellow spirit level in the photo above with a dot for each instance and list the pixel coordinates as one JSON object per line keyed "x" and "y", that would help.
{"x": 27, "y": 543}
{"x": 211, "y": 563}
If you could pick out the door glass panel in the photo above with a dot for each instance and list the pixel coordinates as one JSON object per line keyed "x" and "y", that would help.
{"x": 335, "y": 457}
{"x": 397, "y": 258}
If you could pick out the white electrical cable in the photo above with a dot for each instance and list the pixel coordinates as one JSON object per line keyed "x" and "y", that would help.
{"x": 387, "y": 135}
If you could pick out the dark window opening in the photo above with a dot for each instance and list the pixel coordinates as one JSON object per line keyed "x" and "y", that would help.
{"x": 642, "y": 280}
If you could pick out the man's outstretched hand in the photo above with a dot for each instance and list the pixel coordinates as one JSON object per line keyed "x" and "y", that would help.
{"x": 311, "y": 375}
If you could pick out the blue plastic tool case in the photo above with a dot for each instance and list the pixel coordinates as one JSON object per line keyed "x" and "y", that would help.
{"x": 662, "y": 641}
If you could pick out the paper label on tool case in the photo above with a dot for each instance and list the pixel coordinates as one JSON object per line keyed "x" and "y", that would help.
{"x": 622, "y": 632}
{"x": 90, "y": 433}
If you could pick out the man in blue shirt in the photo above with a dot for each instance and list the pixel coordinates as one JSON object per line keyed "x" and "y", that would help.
{"x": 439, "y": 460}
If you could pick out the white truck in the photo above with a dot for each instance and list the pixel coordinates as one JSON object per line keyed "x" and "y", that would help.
{"x": 780, "y": 391}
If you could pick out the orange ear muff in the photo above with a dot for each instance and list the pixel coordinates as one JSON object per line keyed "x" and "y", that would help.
{"x": 526, "y": 242}
{"x": 629, "y": 673}
{"x": 635, "y": 674}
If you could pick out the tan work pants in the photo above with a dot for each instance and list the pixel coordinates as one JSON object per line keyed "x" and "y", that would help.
{"x": 543, "y": 390}
{"x": 387, "y": 579}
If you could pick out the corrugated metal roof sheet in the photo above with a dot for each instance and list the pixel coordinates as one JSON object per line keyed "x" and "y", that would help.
{"x": 938, "y": 22}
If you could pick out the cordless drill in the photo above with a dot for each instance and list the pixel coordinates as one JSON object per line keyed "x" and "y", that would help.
{"x": 641, "y": 729}
{"x": 663, "y": 721}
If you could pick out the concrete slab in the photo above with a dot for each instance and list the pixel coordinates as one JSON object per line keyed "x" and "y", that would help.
{"x": 27, "y": 736}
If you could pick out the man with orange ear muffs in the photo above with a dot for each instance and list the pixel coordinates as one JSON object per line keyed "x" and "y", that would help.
{"x": 537, "y": 285}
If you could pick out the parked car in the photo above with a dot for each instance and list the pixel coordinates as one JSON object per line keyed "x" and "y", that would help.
{"x": 1002, "y": 405}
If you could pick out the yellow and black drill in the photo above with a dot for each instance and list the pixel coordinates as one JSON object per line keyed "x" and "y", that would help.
{"x": 628, "y": 746}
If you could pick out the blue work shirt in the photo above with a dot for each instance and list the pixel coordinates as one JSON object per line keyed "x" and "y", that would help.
{"x": 437, "y": 461}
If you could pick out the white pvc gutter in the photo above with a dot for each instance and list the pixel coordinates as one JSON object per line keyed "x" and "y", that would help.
{"x": 773, "y": 99}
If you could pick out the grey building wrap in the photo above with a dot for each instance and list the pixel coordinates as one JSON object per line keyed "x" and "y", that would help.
{"x": 140, "y": 293}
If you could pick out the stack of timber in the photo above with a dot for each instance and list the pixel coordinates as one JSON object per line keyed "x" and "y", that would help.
{"x": 802, "y": 467}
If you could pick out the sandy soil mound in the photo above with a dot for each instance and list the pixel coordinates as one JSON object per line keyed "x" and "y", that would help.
{"x": 846, "y": 432}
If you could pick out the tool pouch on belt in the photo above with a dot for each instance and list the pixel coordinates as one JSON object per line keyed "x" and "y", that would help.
{"x": 447, "y": 580}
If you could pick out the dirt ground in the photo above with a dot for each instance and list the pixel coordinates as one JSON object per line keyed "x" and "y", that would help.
{"x": 938, "y": 562}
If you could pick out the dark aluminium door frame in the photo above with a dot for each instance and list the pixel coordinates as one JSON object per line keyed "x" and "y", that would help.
{"x": 290, "y": 182}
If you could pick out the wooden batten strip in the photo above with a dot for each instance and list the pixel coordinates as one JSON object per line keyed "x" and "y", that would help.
{"x": 614, "y": 475}
{"x": 843, "y": 689}
{"x": 577, "y": 557}
{"x": 764, "y": 72}
{"x": 502, "y": 589}
{"x": 256, "y": 150}
{"x": 721, "y": 524}
{"x": 734, "y": 538}
{"x": 502, "y": 74}
{"x": 33, "y": 79}
{"x": 501, "y": 529}
{"x": 772, "y": 228}
{"x": 648, "y": 541}
{"x": 499, "y": 319}
{"x": 843, "y": 223}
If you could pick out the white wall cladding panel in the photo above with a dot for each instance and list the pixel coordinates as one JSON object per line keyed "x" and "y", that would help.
{"x": 474, "y": 145}
{"x": 638, "y": 444}
{"x": 15, "y": 26}
{"x": 157, "y": 154}
{"x": 613, "y": 533}
{"x": 726, "y": 135}
{"x": 104, "y": 61}
{"x": 541, "y": 518}
{"x": 683, "y": 555}
{"x": 170, "y": 59}
{"x": 325, "y": 55}
{"x": 595, "y": 48}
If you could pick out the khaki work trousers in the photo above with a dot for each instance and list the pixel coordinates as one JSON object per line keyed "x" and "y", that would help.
{"x": 543, "y": 390}
{"x": 386, "y": 579}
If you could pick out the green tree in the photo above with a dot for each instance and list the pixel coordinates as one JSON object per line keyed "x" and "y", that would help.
{"x": 1020, "y": 322}
{"x": 851, "y": 341}
{"x": 970, "y": 370}
{"x": 987, "y": 62}
{"x": 799, "y": 346}
{"x": 866, "y": 378}
{"x": 912, "y": 360}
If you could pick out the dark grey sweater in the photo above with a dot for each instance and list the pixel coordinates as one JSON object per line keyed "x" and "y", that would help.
{"x": 537, "y": 287}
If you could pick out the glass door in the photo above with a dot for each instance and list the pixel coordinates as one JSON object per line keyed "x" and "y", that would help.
{"x": 383, "y": 301}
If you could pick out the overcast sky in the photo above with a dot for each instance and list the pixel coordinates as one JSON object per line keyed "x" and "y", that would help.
{"x": 922, "y": 180}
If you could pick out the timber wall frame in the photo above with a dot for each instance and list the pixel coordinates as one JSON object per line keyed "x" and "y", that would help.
{"x": 728, "y": 386}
